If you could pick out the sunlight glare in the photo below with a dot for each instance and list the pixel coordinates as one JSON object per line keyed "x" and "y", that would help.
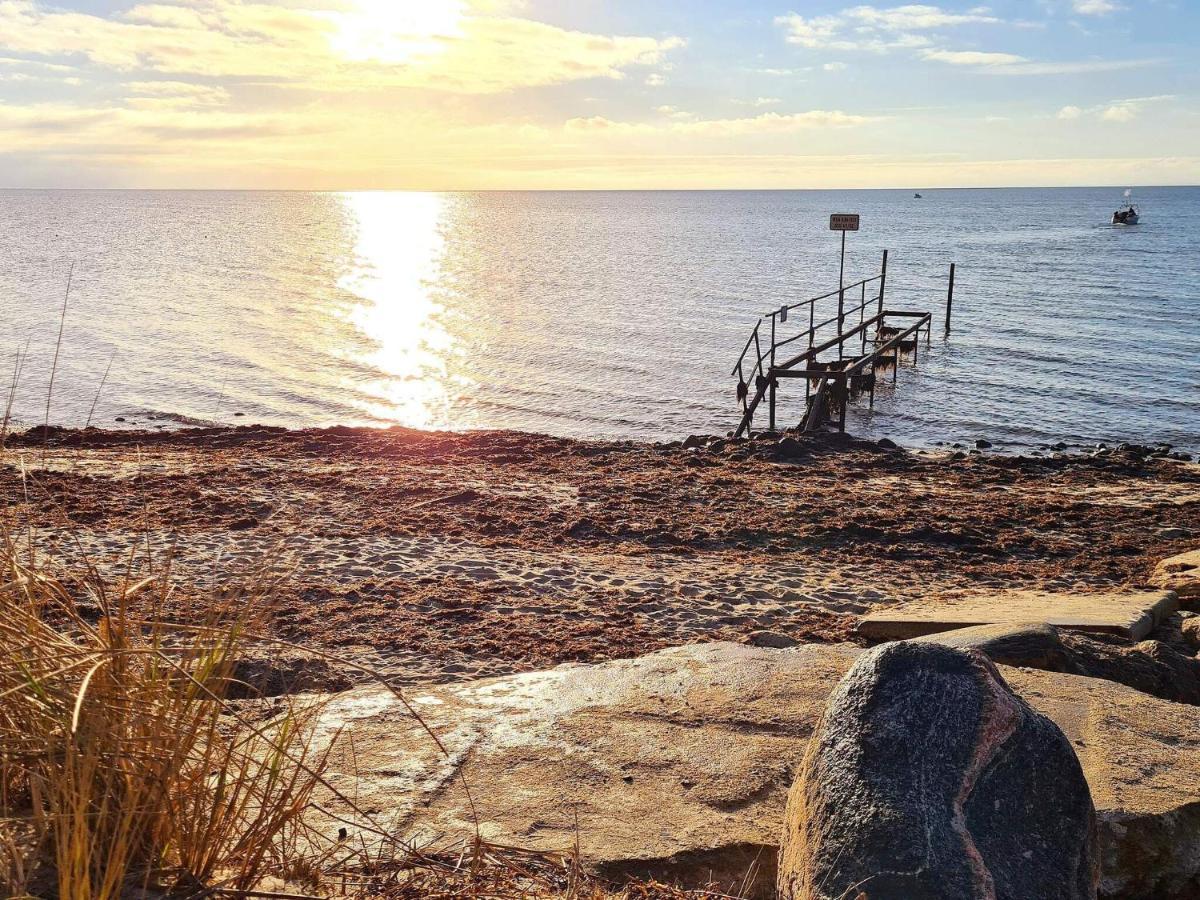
{"x": 398, "y": 250}
{"x": 395, "y": 31}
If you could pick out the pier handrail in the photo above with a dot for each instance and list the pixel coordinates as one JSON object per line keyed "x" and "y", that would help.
{"x": 844, "y": 288}
{"x": 813, "y": 326}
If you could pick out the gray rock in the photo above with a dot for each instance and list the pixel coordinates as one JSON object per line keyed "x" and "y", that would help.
{"x": 1152, "y": 667}
{"x": 1036, "y": 645}
{"x": 770, "y": 639}
{"x": 693, "y": 442}
{"x": 1191, "y": 632}
{"x": 285, "y": 674}
{"x": 888, "y": 444}
{"x": 983, "y": 444}
{"x": 929, "y": 779}
{"x": 790, "y": 447}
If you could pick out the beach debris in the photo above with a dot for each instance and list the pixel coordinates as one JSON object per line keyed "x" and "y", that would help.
{"x": 929, "y": 779}
{"x": 1130, "y": 615}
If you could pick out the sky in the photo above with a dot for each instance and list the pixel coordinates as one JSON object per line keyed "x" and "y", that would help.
{"x": 558, "y": 94}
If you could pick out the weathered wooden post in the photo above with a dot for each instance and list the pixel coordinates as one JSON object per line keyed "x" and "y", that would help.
{"x": 842, "y": 222}
{"x": 950, "y": 298}
{"x": 882, "y": 282}
{"x": 771, "y": 377}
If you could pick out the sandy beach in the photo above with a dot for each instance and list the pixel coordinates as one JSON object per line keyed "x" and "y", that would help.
{"x": 439, "y": 556}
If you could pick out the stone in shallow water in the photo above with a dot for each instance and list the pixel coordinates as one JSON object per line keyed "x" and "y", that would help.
{"x": 929, "y": 779}
{"x": 677, "y": 764}
{"x": 1130, "y": 615}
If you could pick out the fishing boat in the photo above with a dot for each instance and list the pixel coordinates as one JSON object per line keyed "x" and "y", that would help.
{"x": 916, "y": 196}
{"x": 1126, "y": 215}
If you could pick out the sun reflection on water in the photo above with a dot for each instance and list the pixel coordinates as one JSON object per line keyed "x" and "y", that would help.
{"x": 398, "y": 250}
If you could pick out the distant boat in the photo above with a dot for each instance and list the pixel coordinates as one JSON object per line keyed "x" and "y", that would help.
{"x": 1126, "y": 215}
{"x": 916, "y": 196}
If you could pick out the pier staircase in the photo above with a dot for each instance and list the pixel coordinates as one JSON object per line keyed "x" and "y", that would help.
{"x": 866, "y": 337}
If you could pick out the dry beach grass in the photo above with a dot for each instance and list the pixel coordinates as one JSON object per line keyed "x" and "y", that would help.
{"x": 125, "y": 770}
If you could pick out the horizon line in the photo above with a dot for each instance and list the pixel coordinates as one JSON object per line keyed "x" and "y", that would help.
{"x": 601, "y": 190}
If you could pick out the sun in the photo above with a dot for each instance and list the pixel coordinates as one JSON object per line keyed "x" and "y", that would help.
{"x": 395, "y": 31}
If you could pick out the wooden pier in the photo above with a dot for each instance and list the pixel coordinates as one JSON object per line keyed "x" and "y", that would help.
{"x": 874, "y": 342}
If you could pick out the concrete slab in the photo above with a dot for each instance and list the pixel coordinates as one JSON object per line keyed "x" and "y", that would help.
{"x": 1130, "y": 615}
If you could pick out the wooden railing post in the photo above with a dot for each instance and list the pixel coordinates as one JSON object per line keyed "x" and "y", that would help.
{"x": 771, "y": 377}
{"x": 882, "y": 280}
{"x": 950, "y": 298}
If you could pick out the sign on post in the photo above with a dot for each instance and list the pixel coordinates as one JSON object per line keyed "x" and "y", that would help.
{"x": 843, "y": 222}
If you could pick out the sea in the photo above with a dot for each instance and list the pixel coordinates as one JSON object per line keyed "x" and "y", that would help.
{"x": 595, "y": 314}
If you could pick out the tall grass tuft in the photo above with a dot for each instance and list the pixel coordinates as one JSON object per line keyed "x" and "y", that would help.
{"x": 121, "y": 765}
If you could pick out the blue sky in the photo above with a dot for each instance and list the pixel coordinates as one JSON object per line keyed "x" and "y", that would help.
{"x": 336, "y": 94}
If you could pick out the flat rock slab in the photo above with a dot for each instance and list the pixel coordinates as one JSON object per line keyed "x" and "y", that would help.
{"x": 1130, "y": 615}
{"x": 677, "y": 765}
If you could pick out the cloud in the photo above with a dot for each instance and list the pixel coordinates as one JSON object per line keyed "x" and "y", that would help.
{"x": 654, "y": 79}
{"x": 767, "y": 123}
{"x": 1095, "y": 7}
{"x": 1129, "y": 109}
{"x": 875, "y": 29}
{"x": 992, "y": 63}
{"x": 174, "y": 95}
{"x": 834, "y": 66}
{"x": 918, "y": 17}
{"x": 483, "y": 53}
{"x": 1125, "y": 110}
{"x": 972, "y": 57}
{"x": 1084, "y": 67}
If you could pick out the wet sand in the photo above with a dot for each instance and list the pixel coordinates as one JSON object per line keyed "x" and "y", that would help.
{"x": 441, "y": 556}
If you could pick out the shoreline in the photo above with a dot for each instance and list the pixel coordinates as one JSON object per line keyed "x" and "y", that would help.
{"x": 441, "y": 556}
{"x": 170, "y": 423}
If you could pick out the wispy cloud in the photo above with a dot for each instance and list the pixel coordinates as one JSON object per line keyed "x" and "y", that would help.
{"x": 480, "y": 54}
{"x": 996, "y": 63}
{"x": 1080, "y": 67}
{"x": 972, "y": 58}
{"x": 767, "y": 123}
{"x": 1095, "y": 7}
{"x": 876, "y": 29}
{"x": 1125, "y": 110}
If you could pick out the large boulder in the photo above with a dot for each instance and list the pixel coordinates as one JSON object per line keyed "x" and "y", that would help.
{"x": 929, "y": 779}
{"x": 677, "y": 764}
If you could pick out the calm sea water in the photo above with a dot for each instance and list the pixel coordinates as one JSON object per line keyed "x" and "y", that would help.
{"x": 593, "y": 314}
